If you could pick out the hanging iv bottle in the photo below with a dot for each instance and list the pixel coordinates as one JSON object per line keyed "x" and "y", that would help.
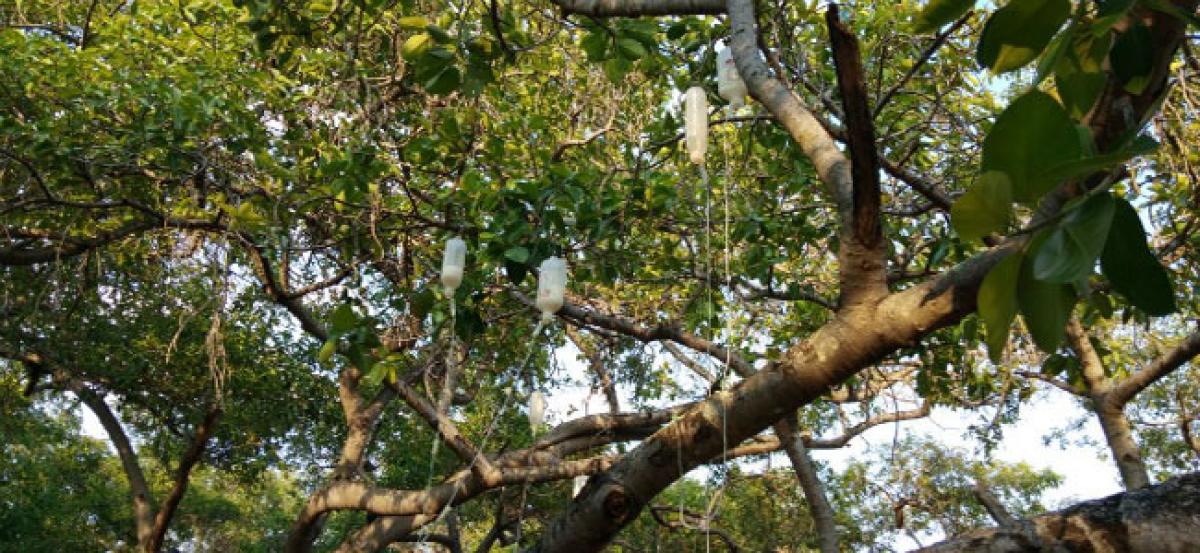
{"x": 537, "y": 409}
{"x": 454, "y": 260}
{"x": 552, "y": 284}
{"x": 695, "y": 119}
{"x": 730, "y": 85}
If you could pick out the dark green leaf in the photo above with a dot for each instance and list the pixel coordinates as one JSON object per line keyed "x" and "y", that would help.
{"x": 441, "y": 36}
{"x": 595, "y": 44}
{"x": 1045, "y": 306}
{"x": 1132, "y": 58}
{"x": 1086, "y": 166}
{"x": 1017, "y": 33}
{"x": 1070, "y": 252}
{"x": 421, "y": 303}
{"x": 616, "y": 68}
{"x": 1133, "y": 270}
{"x": 631, "y": 48}
{"x": 1079, "y": 90}
{"x": 516, "y": 271}
{"x": 343, "y": 319}
{"x": 444, "y": 82}
{"x": 468, "y": 324}
{"x": 1033, "y": 135}
{"x": 677, "y": 30}
{"x": 1055, "y": 364}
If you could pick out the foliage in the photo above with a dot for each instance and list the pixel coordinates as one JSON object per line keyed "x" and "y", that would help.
{"x": 242, "y": 203}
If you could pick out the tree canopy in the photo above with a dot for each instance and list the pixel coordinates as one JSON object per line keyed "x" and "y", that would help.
{"x": 222, "y": 226}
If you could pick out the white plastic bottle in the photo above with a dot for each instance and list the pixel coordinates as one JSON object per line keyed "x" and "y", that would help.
{"x": 552, "y": 285}
{"x": 695, "y": 121}
{"x": 537, "y": 410}
{"x": 454, "y": 261}
{"x": 730, "y": 85}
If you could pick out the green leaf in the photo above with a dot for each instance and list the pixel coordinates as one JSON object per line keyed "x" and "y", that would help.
{"x": 631, "y": 48}
{"x": 595, "y": 44}
{"x": 516, "y": 272}
{"x": 413, "y": 23}
{"x": 617, "y": 68}
{"x": 1086, "y": 166}
{"x": 1070, "y": 252}
{"x": 416, "y": 46}
{"x": 343, "y": 319}
{"x": 997, "y": 301}
{"x": 468, "y": 324}
{"x": 519, "y": 254}
{"x": 421, "y": 303}
{"x": 940, "y": 12}
{"x": 1054, "y": 52}
{"x": 444, "y": 82}
{"x": 1133, "y": 270}
{"x": 985, "y": 208}
{"x": 1017, "y": 33}
{"x": 1031, "y": 136}
{"x": 439, "y": 34}
{"x": 677, "y": 30}
{"x": 326, "y": 352}
{"x": 1132, "y": 58}
{"x": 1045, "y": 306}
{"x": 1079, "y": 90}
{"x": 377, "y": 373}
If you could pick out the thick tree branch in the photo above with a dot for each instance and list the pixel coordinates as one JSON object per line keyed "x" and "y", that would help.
{"x": 143, "y": 508}
{"x": 860, "y": 132}
{"x": 448, "y": 432}
{"x": 1164, "y": 365}
{"x": 195, "y": 450}
{"x": 639, "y": 8}
{"x": 787, "y": 430}
{"x": 1160, "y": 518}
{"x": 1117, "y": 430}
{"x": 993, "y": 506}
{"x": 834, "y": 353}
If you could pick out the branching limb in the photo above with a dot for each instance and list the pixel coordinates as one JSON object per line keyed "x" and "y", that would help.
{"x": 195, "y": 450}
{"x": 1164, "y": 365}
{"x": 814, "y": 492}
{"x": 674, "y": 518}
{"x": 640, "y": 8}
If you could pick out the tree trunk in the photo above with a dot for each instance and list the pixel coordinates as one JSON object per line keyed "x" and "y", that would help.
{"x": 1157, "y": 519}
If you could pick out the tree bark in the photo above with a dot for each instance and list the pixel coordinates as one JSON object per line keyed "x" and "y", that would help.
{"x": 1117, "y": 431}
{"x": 162, "y": 520}
{"x": 143, "y": 507}
{"x": 814, "y": 491}
{"x": 1164, "y": 518}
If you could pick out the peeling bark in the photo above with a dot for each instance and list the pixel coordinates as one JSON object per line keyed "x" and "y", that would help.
{"x": 1164, "y": 518}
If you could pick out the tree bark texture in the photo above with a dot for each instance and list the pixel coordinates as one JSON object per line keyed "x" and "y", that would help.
{"x": 1164, "y": 518}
